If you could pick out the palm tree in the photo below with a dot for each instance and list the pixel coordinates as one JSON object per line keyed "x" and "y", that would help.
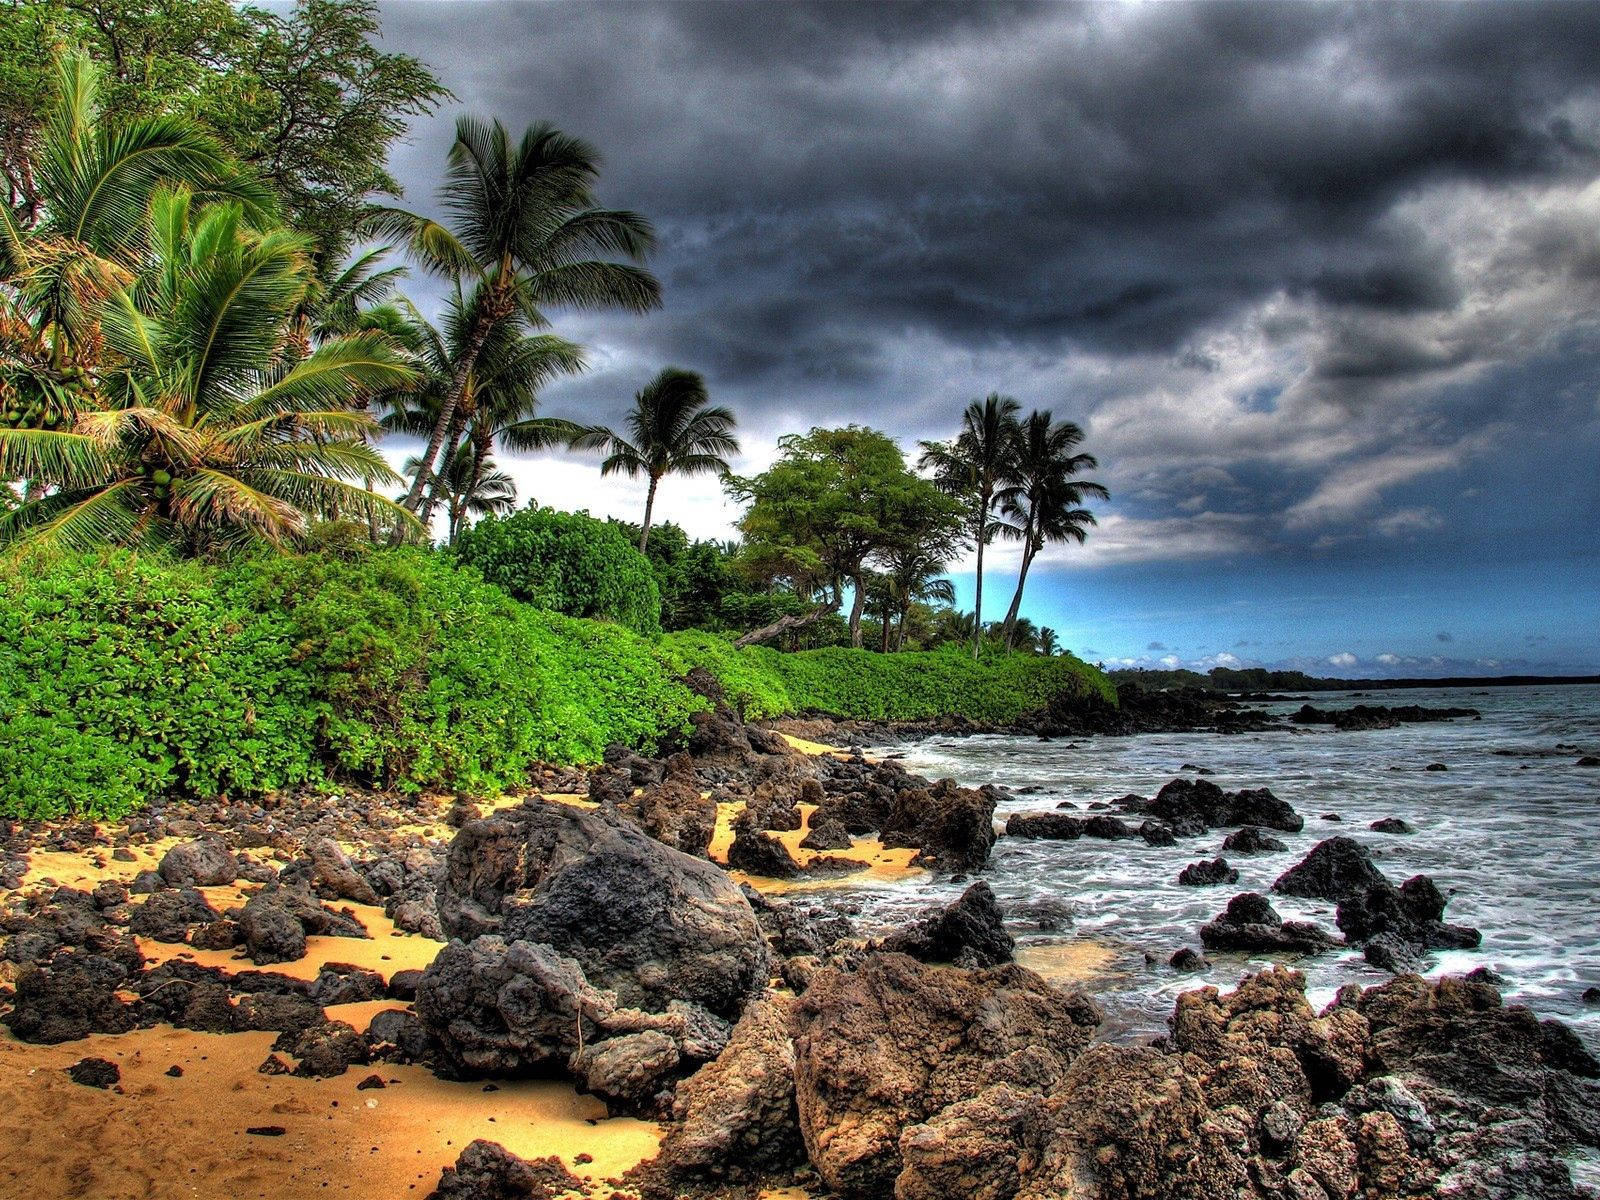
{"x": 78, "y": 235}
{"x": 1049, "y": 642}
{"x": 1045, "y": 503}
{"x": 913, "y": 579}
{"x": 475, "y": 488}
{"x": 975, "y": 467}
{"x": 500, "y": 400}
{"x": 203, "y": 430}
{"x": 673, "y": 432}
{"x": 524, "y": 229}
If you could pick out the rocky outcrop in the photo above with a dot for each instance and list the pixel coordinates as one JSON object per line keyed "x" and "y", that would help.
{"x": 735, "y": 1119}
{"x": 952, "y": 828}
{"x": 205, "y": 862}
{"x": 758, "y": 853}
{"x": 644, "y": 921}
{"x": 1376, "y": 716}
{"x": 969, "y": 932}
{"x": 1335, "y": 868}
{"x": 1399, "y": 924}
{"x": 674, "y": 811}
{"x": 1194, "y": 805}
{"x": 895, "y": 1042}
{"x": 1251, "y": 840}
{"x": 1251, "y": 925}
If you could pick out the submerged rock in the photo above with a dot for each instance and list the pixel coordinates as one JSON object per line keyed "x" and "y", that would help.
{"x": 1208, "y": 874}
{"x": 1251, "y": 840}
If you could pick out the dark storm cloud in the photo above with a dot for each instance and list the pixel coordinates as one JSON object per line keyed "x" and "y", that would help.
{"x": 830, "y": 176}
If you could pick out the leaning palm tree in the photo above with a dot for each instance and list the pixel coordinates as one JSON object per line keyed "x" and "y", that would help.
{"x": 523, "y": 226}
{"x": 201, "y": 431}
{"x": 673, "y": 431}
{"x": 1045, "y": 504}
{"x": 975, "y": 466}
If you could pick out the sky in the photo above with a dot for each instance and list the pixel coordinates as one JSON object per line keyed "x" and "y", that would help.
{"x": 1319, "y": 282}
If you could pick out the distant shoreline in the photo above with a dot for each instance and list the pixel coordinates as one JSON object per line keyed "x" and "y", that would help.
{"x": 1458, "y": 681}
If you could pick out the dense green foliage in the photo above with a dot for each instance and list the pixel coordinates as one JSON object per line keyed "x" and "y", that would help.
{"x": 912, "y": 686}
{"x": 127, "y": 678}
{"x": 565, "y": 562}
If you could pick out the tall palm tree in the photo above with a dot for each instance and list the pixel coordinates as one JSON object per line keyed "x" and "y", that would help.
{"x": 674, "y": 430}
{"x": 523, "y": 228}
{"x": 1049, "y": 641}
{"x": 203, "y": 431}
{"x": 975, "y": 466}
{"x": 1045, "y": 503}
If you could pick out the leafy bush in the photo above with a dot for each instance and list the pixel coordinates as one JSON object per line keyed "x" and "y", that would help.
{"x": 865, "y": 685}
{"x": 567, "y": 563}
{"x": 123, "y": 679}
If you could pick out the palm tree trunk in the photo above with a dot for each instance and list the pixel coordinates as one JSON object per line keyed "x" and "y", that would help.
{"x": 447, "y": 413}
{"x": 883, "y": 640}
{"x": 1016, "y": 600}
{"x": 977, "y": 603}
{"x": 649, "y": 508}
{"x": 900, "y": 633}
{"x": 372, "y": 511}
{"x": 452, "y": 443}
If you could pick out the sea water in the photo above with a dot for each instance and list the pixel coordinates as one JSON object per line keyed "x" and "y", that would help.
{"x": 1510, "y": 831}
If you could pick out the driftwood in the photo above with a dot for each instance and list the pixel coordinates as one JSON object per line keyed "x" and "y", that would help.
{"x": 767, "y": 632}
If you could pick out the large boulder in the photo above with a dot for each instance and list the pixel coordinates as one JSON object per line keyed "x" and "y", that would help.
{"x": 756, "y": 852}
{"x": 1336, "y": 868}
{"x": 334, "y": 876}
{"x": 895, "y": 1041}
{"x": 205, "y": 862}
{"x": 488, "y": 1171}
{"x": 645, "y": 921}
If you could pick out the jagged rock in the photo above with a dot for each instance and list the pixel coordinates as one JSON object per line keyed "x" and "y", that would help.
{"x": 206, "y": 862}
{"x": 951, "y": 827}
{"x": 645, "y": 921}
{"x": 1208, "y": 873}
{"x": 1250, "y": 924}
{"x": 221, "y": 934}
{"x": 1186, "y": 959}
{"x": 1190, "y": 802}
{"x": 969, "y": 932}
{"x": 342, "y": 983}
{"x": 735, "y": 1118}
{"x": 1335, "y": 869}
{"x": 673, "y": 811}
{"x": 758, "y": 853}
{"x": 893, "y": 1042}
{"x": 1390, "y": 825}
{"x": 334, "y": 876}
{"x": 488, "y": 1171}
{"x": 793, "y": 928}
{"x": 283, "y": 1013}
{"x": 1251, "y": 840}
{"x": 271, "y": 932}
{"x": 1158, "y": 833}
{"x": 825, "y": 833}
{"x": 1399, "y": 924}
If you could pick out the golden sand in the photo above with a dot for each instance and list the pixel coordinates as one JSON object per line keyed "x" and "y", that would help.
{"x": 882, "y": 865}
{"x": 806, "y": 746}
{"x": 1067, "y": 962}
{"x": 168, "y": 1138}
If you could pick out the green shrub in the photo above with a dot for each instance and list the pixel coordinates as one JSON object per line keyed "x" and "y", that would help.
{"x": 865, "y": 685}
{"x": 125, "y": 677}
{"x": 567, "y": 563}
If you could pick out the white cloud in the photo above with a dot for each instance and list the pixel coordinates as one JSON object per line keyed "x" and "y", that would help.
{"x": 1343, "y": 659}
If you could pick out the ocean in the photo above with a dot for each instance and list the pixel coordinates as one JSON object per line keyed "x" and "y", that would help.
{"x": 1510, "y": 831}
